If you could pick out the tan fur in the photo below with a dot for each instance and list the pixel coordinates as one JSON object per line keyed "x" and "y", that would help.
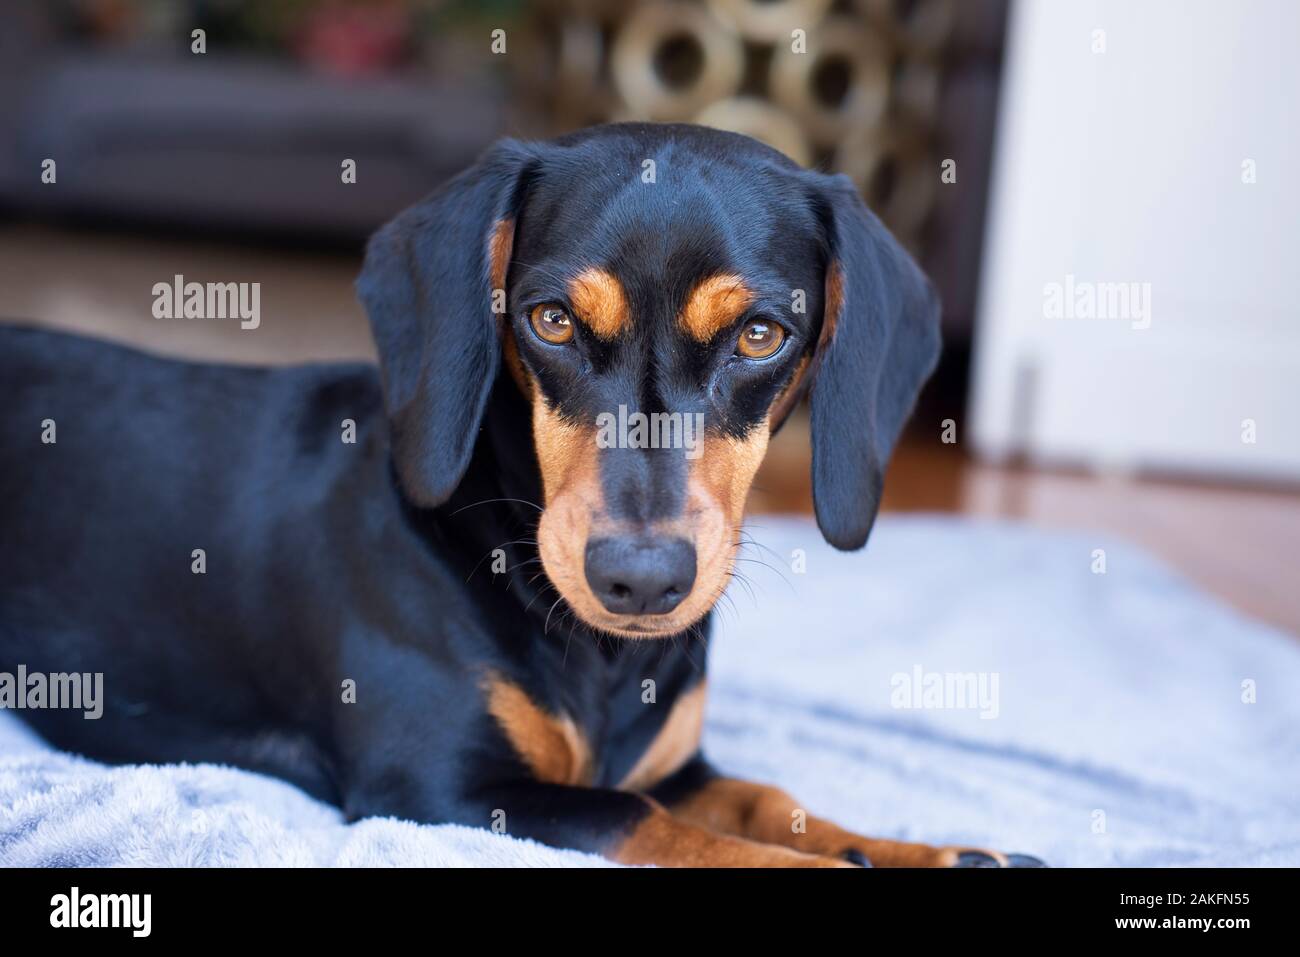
{"x": 574, "y": 499}
{"x": 673, "y": 746}
{"x": 600, "y": 302}
{"x": 518, "y": 371}
{"x": 725, "y": 470}
{"x": 717, "y": 486}
{"x": 831, "y": 311}
{"x": 551, "y": 745}
{"x": 789, "y": 396}
{"x": 668, "y": 841}
{"x": 803, "y": 375}
{"x": 714, "y": 304}
{"x": 566, "y": 453}
{"x": 767, "y": 814}
{"x": 501, "y": 242}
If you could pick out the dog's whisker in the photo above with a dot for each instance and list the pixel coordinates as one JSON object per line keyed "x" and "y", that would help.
{"x": 478, "y": 564}
{"x": 777, "y": 571}
{"x": 686, "y": 651}
{"x": 514, "y": 568}
{"x": 564, "y": 660}
{"x": 539, "y": 594}
{"x": 549, "y": 272}
{"x": 746, "y": 538}
{"x": 744, "y": 582}
{"x": 489, "y": 501}
{"x": 546, "y": 626}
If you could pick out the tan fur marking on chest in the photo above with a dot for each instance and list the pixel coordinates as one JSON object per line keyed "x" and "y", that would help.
{"x": 551, "y": 745}
{"x": 673, "y": 746}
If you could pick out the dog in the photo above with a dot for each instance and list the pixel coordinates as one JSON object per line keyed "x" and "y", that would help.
{"x": 259, "y": 591}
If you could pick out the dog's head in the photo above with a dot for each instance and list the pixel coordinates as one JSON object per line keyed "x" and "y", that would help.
{"x": 663, "y": 296}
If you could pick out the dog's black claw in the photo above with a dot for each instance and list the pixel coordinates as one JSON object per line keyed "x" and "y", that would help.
{"x": 856, "y": 857}
{"x": 976, "y": 859}
{"x": 1023, "y": 860}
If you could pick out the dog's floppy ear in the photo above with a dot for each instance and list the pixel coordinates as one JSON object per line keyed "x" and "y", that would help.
{"x": 878, "y": 344}
{"x": 427, "y": 286}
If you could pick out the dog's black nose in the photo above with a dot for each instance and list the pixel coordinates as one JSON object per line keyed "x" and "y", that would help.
{"x": 640, "y": 575}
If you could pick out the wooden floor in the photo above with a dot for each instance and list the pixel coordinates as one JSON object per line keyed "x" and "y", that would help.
{"x": 1242, "y": 544}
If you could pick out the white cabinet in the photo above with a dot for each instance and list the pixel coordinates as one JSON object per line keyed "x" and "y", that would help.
{"x": 1140, "y": 297}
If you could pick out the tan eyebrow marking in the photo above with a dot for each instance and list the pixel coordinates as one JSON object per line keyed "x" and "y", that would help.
{"x": 714, "y": 304}
{"x": 600, "y": 302}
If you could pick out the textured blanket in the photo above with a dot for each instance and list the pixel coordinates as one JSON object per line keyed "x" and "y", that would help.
{"x": 956, "y": 682}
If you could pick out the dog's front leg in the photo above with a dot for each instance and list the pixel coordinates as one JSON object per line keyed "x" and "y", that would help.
{"x": 700, "y": 797}
{"x": 624, "y": 827}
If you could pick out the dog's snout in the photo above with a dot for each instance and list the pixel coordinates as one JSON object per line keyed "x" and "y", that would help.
{"x": 638, "y": 575}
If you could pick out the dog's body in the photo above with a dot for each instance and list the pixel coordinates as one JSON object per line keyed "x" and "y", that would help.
{"x": 374, "y": 620}
{"x": 316, "y": 572}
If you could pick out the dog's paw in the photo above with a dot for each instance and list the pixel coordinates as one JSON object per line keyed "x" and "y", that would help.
{"x": 876, "y": 852}
{"x": 975, "y": 857}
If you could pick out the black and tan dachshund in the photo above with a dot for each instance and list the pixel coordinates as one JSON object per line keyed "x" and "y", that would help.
{"x": 438, "y": 620}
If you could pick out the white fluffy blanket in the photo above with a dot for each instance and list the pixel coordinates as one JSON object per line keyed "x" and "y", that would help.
{"x": 1117, "y": 733}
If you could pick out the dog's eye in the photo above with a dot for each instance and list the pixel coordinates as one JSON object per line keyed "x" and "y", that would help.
{"x": 552, "y": 324}
{"x": 759, "y": 339}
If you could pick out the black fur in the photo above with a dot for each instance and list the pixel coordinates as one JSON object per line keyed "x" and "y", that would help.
{"x": 885, "y": 346}
{"x": 329, "y": 562}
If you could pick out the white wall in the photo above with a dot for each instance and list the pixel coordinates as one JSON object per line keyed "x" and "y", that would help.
{"x": 1125, "y": 166}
